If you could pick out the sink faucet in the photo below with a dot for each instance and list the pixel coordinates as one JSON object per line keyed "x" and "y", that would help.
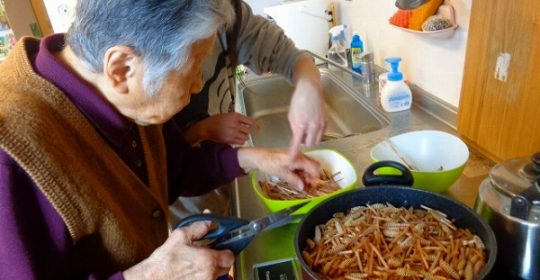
{"x": 367, "y": 61}
{"x": 340, "y": 67}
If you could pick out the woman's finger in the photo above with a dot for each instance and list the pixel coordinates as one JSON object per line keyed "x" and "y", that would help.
{"x": 313, "y": 134}
{"x": 222, "y": 261}
{"x": 239, "y": 140}
{"x": 293, "y": 179}
{"x": 296, "y": 141}
{"x": 244, "y": 130}
{"x": 247, "y": 121}
{"x": 311, "y": 138}
{"x": 308, "y": 165}
{"x": 225, "y": 259}
{"x": 319, "y": 135}
{"x": 194, "y": 231}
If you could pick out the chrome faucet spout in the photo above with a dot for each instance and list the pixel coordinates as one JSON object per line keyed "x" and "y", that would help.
{"x": 328, "y": 61}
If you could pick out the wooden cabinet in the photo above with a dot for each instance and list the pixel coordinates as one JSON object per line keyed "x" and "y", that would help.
{"x": 502, "y": 118}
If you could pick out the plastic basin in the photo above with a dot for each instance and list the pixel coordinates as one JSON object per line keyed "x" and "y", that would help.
{"x": 331, "y": 161}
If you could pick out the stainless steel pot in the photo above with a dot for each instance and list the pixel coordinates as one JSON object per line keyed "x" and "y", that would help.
{"x": 509, "y": 200}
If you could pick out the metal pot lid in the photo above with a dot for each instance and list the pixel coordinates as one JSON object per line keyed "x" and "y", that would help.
{"x": 515, "y": 176}
{"x": 519, "y": 181}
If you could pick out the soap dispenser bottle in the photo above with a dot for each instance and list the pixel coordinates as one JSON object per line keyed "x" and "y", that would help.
{"x": 396, "y": 95}
{"x": 357, "y": 47}
{"x": 337, "y": 51}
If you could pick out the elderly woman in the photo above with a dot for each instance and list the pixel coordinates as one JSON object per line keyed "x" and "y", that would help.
{"x": 88, "y": 158}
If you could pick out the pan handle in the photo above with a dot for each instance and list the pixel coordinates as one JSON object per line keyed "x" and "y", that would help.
{"x": 371, "y": 179}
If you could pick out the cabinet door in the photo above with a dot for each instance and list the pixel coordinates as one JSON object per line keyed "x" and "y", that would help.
{"x": 501, "y": 118}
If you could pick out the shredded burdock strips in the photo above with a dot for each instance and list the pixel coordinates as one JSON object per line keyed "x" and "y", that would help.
{"x": 380, "y": 241}
{"x": 281, "y": 190}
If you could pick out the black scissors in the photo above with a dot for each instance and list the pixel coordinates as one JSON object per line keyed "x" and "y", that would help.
{"x": 235, "y": 234}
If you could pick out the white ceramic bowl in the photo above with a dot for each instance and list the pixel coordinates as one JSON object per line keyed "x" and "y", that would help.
{"x": 439, "y": 157}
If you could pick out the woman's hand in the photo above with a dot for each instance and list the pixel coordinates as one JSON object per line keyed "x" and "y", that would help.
{"x": 229, "y": 128}
{"x": 279, "y": 163}
{"x": 307, "y": 113}
{"x": 177, "y": 258}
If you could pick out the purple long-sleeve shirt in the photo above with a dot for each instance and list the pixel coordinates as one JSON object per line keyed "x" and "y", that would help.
{"x": 34, "y": 239}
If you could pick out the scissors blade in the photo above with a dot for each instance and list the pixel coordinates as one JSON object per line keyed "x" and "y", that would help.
{"x": 248, "y": 231}
{"x": 284, "y": 221}
{"x": 270, "y": 222}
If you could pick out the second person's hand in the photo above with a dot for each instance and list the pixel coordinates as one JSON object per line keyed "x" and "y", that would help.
{"x": 230, "y": 128}
{"x": 307, "y": 113}
{"x": 307, "y": 125}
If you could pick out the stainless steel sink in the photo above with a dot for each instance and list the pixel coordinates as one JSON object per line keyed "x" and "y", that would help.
{"x": 267, "y": 99}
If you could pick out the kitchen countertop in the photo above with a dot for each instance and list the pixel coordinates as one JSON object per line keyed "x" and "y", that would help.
{"x": 278, "y": 243}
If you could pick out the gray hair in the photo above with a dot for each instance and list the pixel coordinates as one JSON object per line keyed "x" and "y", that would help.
{"x": 160, "y": 31}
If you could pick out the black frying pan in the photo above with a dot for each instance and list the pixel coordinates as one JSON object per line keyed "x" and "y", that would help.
{"x": 390, "y": 190}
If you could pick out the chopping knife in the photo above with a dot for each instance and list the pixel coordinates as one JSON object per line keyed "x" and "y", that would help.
{"x": 234, "y": 233}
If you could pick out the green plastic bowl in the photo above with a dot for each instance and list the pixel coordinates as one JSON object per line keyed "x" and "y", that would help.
{"x": 331, "y": 161}
{"x": 428, "y": 150}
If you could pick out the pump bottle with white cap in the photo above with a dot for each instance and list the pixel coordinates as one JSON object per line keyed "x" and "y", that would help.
{"x": 395, "y": 95}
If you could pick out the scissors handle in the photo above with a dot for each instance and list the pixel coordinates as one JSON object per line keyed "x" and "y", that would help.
{"x": 220, "y": 234}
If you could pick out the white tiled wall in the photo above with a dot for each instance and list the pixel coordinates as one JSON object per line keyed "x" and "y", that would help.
{"x": 61, "y": 13}
{"x": 434, "y": 64}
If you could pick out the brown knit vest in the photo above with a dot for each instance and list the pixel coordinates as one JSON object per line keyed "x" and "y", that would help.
{"x": 114, "y": 219}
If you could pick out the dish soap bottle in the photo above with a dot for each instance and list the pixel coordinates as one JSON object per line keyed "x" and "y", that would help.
{"x": 396, "y": 95}
{"x": 337, "y": 52}
{"x": 357, "y": 47}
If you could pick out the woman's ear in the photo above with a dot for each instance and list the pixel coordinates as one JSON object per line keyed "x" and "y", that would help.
{"x": 120, "y": 64}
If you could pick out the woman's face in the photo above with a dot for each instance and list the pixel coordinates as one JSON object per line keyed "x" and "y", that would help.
{"x": 176, "y": 90}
